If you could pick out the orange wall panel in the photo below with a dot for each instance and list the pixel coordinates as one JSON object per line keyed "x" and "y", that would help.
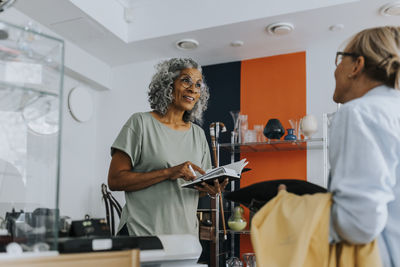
{"x": 273, "y": 87}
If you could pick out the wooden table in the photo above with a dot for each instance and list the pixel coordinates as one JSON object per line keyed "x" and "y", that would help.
{"x": 127, "y": 258}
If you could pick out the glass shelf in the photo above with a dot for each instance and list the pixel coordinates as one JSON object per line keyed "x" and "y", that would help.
{"x": 24, "y": 87}
{"x": 280, "y": 145}
{"x": 228, "y": 231}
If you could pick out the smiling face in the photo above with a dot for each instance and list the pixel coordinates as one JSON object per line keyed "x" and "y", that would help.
{"x": 187, "y": 89}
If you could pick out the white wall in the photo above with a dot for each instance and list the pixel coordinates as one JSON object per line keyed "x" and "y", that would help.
{"x": 78, "y": 159}
{"x": 320, "y": 61}
{"x": 128, "y": 95}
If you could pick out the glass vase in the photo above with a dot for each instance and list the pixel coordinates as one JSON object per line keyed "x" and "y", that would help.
{"x": 237, "y": 222}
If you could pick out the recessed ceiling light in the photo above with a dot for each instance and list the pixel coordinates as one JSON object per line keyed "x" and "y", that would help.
{"x": 336, "y": 27}
{"x": 391, "y": 9}
{"x": 280, "y": 28}
{"x": 237, "y": 43}
{"x": 187, "y": 44}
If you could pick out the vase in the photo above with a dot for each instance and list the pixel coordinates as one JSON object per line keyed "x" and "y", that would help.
{"x": 237, "y": 222}
{"x": 274, "y": 129}
{"x": 309, "y": 125}
{"x": 290, "y": 135}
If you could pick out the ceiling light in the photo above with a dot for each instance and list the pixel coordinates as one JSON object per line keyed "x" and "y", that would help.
{"x": 391, "y": 9}
{"x": 336, "y": 27}
{"x": 237, "y": 43}
{"x": 187, "y": 44}
{"x": 280, "y": 28}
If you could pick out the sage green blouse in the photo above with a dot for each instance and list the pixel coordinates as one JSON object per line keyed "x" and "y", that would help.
{"x": 163, "y": 208}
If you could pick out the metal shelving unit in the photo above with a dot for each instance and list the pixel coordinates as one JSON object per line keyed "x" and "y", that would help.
{"x": 270, "y": 146}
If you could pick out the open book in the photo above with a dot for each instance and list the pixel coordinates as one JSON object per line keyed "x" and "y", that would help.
{"x": 231, "y": 171}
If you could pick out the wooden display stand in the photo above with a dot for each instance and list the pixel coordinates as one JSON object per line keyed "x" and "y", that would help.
{"x": 127, "y": 258}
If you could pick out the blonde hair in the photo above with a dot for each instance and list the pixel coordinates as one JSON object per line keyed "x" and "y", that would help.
{"x": 380, "y": 48}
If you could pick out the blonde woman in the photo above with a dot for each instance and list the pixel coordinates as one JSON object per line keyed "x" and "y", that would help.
{"x": 365, "y": 143}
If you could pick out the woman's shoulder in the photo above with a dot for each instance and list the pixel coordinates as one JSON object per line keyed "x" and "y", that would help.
{"x": 136, "y": 119}
{"x": 378, "y": 108}
{"x": 197, "y": 129}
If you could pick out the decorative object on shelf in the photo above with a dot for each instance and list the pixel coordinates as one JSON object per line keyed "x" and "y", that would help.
{"x": 250, "y": 136}
{"x": 259, "y": 132}
{"x": 256, "y": 195}
{"x": 290, "y": 135}
{"x": 274, "y": 129}
{"x": 234, "y": 262}
{"x": 80, "y": 104}
{"x": 249, "y": 259}
{"x": 295, "y": 124}
{"x": 235, "y": 133}
{"x": 237, "y": 222}
{"x": 244, "y": 126}
{"x": 308, "y": 125}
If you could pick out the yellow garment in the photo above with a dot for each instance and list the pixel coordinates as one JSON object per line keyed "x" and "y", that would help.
{"x": 293, "y": 231}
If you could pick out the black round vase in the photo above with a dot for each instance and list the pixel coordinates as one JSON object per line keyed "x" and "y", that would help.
{"x": 274, "y": 129}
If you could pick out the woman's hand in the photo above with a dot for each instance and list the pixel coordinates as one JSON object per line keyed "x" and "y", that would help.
{"x": 281, "y": 187}
{"x": 183, "y": 171}
{"x": 212, "y": 190}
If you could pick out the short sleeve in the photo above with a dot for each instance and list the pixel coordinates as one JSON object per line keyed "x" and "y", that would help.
{"x": 129, "y": 141}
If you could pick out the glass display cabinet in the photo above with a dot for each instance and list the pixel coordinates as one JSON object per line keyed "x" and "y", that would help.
{"x": 31, "y": 80}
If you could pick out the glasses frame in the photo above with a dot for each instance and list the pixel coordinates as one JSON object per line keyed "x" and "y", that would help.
{"x": 345, "y": 54}
{"x": 191, "y": 83}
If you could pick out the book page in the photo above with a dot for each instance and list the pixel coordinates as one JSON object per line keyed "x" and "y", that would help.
{"x": 237, "y": 166}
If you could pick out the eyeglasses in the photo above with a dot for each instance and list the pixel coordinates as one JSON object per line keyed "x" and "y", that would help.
{"x": 188, "y": 83}
{"x": 340, "y": 55}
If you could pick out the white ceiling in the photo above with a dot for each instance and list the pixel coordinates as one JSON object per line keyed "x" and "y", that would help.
{"x": 100, "y": 26}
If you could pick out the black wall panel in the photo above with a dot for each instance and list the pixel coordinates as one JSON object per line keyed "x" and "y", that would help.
{"x": 224, "y": 83}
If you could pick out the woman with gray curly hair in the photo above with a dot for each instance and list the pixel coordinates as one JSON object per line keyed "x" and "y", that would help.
{"x": 157, "y": 152}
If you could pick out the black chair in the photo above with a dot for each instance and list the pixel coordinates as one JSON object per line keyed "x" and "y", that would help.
{"x": 111, "y": 204}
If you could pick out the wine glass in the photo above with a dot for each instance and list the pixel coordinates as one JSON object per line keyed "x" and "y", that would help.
{"x": 234, "y": 262}
{"x": 236, "y": 123}
{"x": 249, "y": 259}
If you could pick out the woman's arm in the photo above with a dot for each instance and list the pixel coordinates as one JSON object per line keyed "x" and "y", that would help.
{"x": 121, "y": 177}
{"x": 361, "y": 152}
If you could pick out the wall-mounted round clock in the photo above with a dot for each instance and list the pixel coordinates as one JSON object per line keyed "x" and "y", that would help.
{"x": 80, "y": 104}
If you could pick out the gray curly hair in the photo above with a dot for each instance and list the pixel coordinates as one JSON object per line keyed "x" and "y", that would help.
{"x": 160, "y": 94}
